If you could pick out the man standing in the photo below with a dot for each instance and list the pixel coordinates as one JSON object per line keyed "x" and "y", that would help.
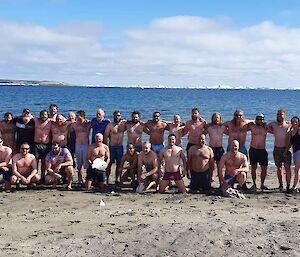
{"x": 101, "y": 151}
{"x": 24, "y": 167}
{"x": 237, "y": 130}
{"x": 42, "y": 144}
{"x": 5, "y": 163}
{"x": 99, "y": 124}
{"x": 134, "y": 131}
{"x": 172, "y": 156}
{"x": 200, "y": 163}
{"x": 115, "y": 133}
{"x": 155, "y": 128}
{"x": 236, "y": 167}
{"x": 215, "y": 130}
{"x": 25, "y": 129}
{"x": 53, "y": 110}
{"x": 147, "y": 168}
{"x": 176, "y": 128}
{"x": 60, "y": 130}
{"x": 82, "y": 131}
{"x": 8, "y": 131}
{"x": 279, "y": 129}
{"x": 257, "y": 151}
{"x": 59, "y": 163}
{"x": 194, "y": 128}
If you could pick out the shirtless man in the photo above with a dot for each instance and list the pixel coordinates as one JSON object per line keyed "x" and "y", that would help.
{"x": 128, "y": 167}
{"x": 59, "y": 163}
{"x": 147, "y": 168}
{"x": 279, "y": 129}
{"x": 82, "y": 131}
{"x": 8, "y": 131}
{"x": 200, "y": 163}
{"x": 257, "y": 151}
{"x": 72, "y": 137}
{"x": 53, "y": 110}
{"x": 215, "y": 130}
{"x": 237, "y": 130}
{"x": 236, "y": 167}
{"x": 155, "y": 128}
{"x": 176, "y": 128}
{"x": 115, "y": 133}
{"x": 42, "y": 139}
{"x": 134, "y": 131}
{"x": 5, "y": 163}
{"x": 194, "y": 128}
{"x": 97, "y": 150}
{"x": 24, "y": 167}
{"x": 172, "y": 156}
{"x": 60, "y": 130}
{"x": 99, "y": 124}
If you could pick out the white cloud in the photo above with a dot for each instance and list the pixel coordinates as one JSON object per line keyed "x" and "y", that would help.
{"x": 173, "y": 51}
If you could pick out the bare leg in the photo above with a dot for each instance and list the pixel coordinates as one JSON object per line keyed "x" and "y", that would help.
{"x": 296, "y": 178}
{"x": 162, "y": 185}
{"x": 263, "y": 176}
{"x": 279, "y": 176}
{"x": 88, "y": 184}
{"x": 288, "y": 175}
{"x": 181, "y": 186}
{"x": 241, "y": 178}
{"x": 253, "y": 173}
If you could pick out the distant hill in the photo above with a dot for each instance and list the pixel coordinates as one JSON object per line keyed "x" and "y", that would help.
{"x": 16, "y": 82}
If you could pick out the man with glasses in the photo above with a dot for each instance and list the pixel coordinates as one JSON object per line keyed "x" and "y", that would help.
{"x": 59, "y": 164}
{"x": 155, "y": 128}
{"x": 279, "y": 129}
{"x": 24, "y": 167}
{"x": 5, "y": 163}
{"x": 114, "y": 134}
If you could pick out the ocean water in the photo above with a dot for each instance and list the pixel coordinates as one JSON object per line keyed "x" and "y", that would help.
{"x": 167, "y": 101}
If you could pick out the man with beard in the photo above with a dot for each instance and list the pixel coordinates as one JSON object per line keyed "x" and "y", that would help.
{"x": 53, "y": 110}
{"x": 194, "y": 128}
{"x": 99, "y": 124}
{"x": 176, "y": 128}
{"x": 134, "y": 131}
{"x": 257, "y": 151}
{"x": 59, "y": 163}
{"x": 236, "y": 168}
{"x": 8, "y": 131}
{"x": 5, "y": 163}
{"x": 215, "y": 130}
{"x": 24, "y": 167}
{"x": 82, "y": 131}
{"x": 237, "y": 130}
{"x": 172, "y": 155}
{"x": 60, "y": 130}
{"x": 279, "y": 129}
{"x": 155, "y": 128}
{"x": 200, "y": 163}
{"x": 25, "y": 129}
{"x": 42, "y": 143}
{"x": 115, "y": 133}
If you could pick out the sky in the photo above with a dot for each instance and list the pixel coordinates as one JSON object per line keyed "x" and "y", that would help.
{"x": 176, "y": 43}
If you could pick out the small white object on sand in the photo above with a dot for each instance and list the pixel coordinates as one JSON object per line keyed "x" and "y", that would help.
{"x": 102, "y": 203}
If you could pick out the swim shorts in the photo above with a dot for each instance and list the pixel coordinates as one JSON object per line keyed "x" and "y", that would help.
{"x": 280, "y": 158}
{"x": 258, "y": 156}
{"x": 172, "y": 176}
{"x": 200, "y": 180}
{"x": 157, "y": 148}
{"x": 95, "y": 175}
{"x": 218, "y": 152}
{"x": 116, "y": 154}
{"x": 81, "y": 152}
{"x": 41, "y": 150}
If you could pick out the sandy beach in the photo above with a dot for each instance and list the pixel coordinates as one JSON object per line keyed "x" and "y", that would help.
{"x": 53, "y": 222}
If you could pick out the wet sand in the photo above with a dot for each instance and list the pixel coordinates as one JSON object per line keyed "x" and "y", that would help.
{"x": 52, "y": 222}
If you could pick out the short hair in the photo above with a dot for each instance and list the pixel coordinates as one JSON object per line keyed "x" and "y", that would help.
{"x": 135, "y": 112}
{"x": 53, "y": 105}
{"x": 42, "y": 111}
{"x": 7, "y": 114}
{"x": 156, "y": 113}
{"x": 116, "y": 112}
{"x": 55, "y": 143}
{"x": 282, "y": 110}
{"x": 171, "y": 135}
{"x": 238, "y": 110}
{"x": 295, "y": 117}
{"x": 195, "y": 109}
{"x": 81, "y": 113}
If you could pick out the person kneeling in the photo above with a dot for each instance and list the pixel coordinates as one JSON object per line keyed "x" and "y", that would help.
{"x": 59, "y": 164}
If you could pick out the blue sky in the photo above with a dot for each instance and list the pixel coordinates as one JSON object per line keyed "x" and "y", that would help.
{"x": 168, "y": 42}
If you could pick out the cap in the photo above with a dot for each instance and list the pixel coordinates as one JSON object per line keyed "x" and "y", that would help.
{"x": 260, "y": 115}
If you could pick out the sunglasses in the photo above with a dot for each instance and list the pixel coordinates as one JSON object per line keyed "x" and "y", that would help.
{"x": 25, "y": 148}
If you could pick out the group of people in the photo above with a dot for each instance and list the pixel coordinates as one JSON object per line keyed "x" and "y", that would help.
{"x": 63, "y": 144}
